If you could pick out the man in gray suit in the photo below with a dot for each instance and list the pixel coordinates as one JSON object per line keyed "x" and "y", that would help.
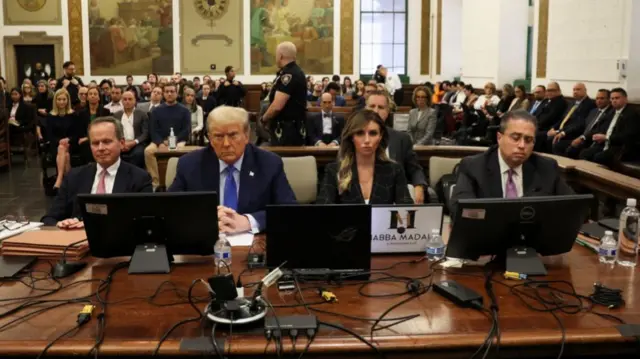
{"x": 155, "y": 100}
{"x": 400, "y": 147}
{"x": 135, "y": 124}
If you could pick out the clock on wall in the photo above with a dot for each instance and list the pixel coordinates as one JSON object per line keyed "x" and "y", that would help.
{"x": 211, "y": 9}
{"x": 32, "y": 5}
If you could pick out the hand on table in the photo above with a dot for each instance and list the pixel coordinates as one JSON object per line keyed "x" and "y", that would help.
{"x": 71, "y": 223}
{"x": 229, "y": 221}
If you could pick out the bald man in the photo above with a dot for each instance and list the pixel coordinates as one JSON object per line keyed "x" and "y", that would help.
{"x": 572, "y": 125}
{"x": 285, "y": 115}
{"x": 324, "y": 128}
{"x": 552, "y": 113}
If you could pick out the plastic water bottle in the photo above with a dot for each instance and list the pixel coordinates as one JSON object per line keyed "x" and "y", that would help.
{"x": 222, "y": 250}
{"x": 608, "y": 247}
{"x": 172, "y": 140}
{"x": 627, "y": 253}
{"x": 435, "y": 246}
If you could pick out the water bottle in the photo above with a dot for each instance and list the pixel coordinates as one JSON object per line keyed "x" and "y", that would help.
{"x": 627, "y": 253}
{"x": 222, "y": 250}
{"x": 435, "y": 246}
{"x": 607, "y": 249}
{"x": 172, "y": 140}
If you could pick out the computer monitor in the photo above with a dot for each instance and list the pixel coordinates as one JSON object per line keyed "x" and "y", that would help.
{"x": 317, "y": 239}
{"x": 150, "y": 227}
{"x": 518, "y": 229}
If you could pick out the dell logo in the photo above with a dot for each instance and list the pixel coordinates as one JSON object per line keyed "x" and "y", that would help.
{"x": 527, "y": 213}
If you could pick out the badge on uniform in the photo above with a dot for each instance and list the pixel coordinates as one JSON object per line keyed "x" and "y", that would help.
{"x": 286, "y": 78}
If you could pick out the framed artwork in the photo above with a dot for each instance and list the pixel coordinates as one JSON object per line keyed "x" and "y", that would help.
{"x": 32, "y": 12}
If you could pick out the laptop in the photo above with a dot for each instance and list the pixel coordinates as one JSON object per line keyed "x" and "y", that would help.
{"x": 320, "y": 240}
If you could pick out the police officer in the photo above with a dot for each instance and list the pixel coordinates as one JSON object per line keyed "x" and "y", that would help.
{"x": 288, "y": 100}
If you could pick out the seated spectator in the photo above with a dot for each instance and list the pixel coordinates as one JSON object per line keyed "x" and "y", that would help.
{"x": 133, "y": 88}
{"x": 362, "y": 101}
{"x": 520, "y": 101}
{"x": 197, "y": 121}
{"x": 246, "y": 178}
{"x": 207, "y": 101}
{"x": 422, "y": 119}
{"x": 169, "y": 115}
{"x": 145, "y": 92}
{"x": 325, "y": 82}
{"x": 62, "y": 127}
{"x": 359, "y": 91}
{"x": 551, "y": 113}
{"x": 448, "y": 91}
{"x": 316, "y": 94}
{"x": 438, "y": 93}
{"x": 334, "y": 89}
{"x": 573, "y": 120}
{"x": 154, "y": 101}
{"x": 107, "y": 175}
{"x": 88, "y": 114}
{"x": 620, "y": 141}
{"x": 596, "y": 122}
{"x": 508, "y": 95}
{"x": 105, "y": 86}
{"x": 489, "y": 99}
{"x": 364, "y": 173}
{"x": 27, "y": 93}
{"x": 458, "y": 97}
{"x": 324, "y": 128}
{"x": 135, "y": 126}
{"x": 82, "y": 98}
{"x": 540, "y": 100}
{"x": 116, "y": 96}
{"x": 21, "y": 118}
{"x": 348, "y": 90}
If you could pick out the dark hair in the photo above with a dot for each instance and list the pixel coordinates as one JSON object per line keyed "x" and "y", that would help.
{"x": 15, "y": 89}
{"x": 67, "y": 64}
{"x": 605, "y": 91}
{"x": 517, "y": 115}
{"x": 108, "y": 119}
{"x": 469, "y": 88}
{"x": 446, "y": 82}
{"x": 154, "y": 75}
{"x": 332, "y": 86}
{"x": 169, "y": 84}
{"x": 325, "y": 78}
{"x": 129, "y": 77}
{"x": 523, "y": 89}
{"x": 227, "y": 69}
{"x": 335, "y": 78}
{"x": 620, "y": 90}
{"x": 105, "y": 81}
{"x": 196, "y": 78}
{"x": 178, "y": 73}
{"x": 116, "y": 88}
{"x": 454, "y": 83}
{"x": 460, "y": 83}
{"x": 542, "y": 87}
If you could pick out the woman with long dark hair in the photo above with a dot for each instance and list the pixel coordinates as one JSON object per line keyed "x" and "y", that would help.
{"x": 197, "y": 118}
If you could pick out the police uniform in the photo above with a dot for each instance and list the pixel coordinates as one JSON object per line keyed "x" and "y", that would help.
{"x": 287, "y": 127}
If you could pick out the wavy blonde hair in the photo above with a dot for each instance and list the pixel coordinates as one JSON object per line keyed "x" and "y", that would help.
{"x": 67, "y": 110}
{"x": 347, "y": 153}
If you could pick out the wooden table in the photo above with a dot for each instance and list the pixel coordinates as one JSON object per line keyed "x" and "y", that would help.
{"x": 134, "y": 327}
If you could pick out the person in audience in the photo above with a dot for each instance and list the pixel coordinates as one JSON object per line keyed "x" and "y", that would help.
{"x": 62, "y": 128}
{"x": 107, "y": 175}
{"x": 70, "y": 81}
{"x": 264, "y": 92}
{"x": 105, "y": 86}
{"x": 207, "y": 101}
{"x": 52, "y": 85}
{"x": 27, "y": 93}
{"x": 438, "y": 93}
{"x": 400, "y": 146}
{"x": 348, "y": 90}
{"x": 508, "y": 95}
{"x": 154, "y": 101}
{"x": 510, "y": 169}
{"x": 86, "y": 115}
{"x": 162, "y": 82}
{"x": 336, "y": 79}
{"x": 197, "y": 85}
{"x": 135, "y": 124}
{"x": 362, "y": 101}
{"x": 520, "y": 101}
{"x": 489, "y": 99}
{"x": 334, "y": 89}
{"x": 364, "y": 173}
{"x": 325, "y": 82}
{"x": 574, "y": 118}
{"x": 550, "y": 114}
{"x": 597, "y": 121}
{"x": 620, "y": 141}
{"x": 316, "y": 94}
{"x": 540, "y": 100}
{"x": 145, "y": 95}
{"x": 422, "y": 119}
{"x": 21, "y": 117}
{"x": 448, "y": 90}
{"x": 82, "y": 95}
{"x": 246, "y": 177}
{"x": 458, "y": 97}
{"x": 153, "y": 79}
{"x": 43, "y": 100}
{"x": 231, "y": 92}
{"x": 116, "y": 104}
{"x": 324, "y": 128}
{"x": 5, "y": 95}
{"x": 167, "y": 116}
{"x": 197, "y": 119}
{"x": 112, "y": 81}
{"x": 459, "y": 114}
{"x": 133, "y": 88}
{"x": 359, "y": 91}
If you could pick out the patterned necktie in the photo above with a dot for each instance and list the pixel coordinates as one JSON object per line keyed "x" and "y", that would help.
{"x": 102, "y": 188}
{"x": 510, "y": 189}
{"x": 230, "y": 189}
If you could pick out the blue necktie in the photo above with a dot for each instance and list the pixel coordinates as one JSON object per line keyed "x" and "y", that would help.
{"x": 230, "y": 189}
{"x": 535, "y": 107}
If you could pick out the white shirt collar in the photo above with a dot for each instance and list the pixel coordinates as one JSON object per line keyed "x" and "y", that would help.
{"x": 620, "y": 110}
{"x": 504, "y": 167}
{"x": 112, "y": 170}
{"x": 237, "y": 165}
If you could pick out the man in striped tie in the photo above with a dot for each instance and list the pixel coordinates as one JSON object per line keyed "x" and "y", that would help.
{"x": 510, "y": 169}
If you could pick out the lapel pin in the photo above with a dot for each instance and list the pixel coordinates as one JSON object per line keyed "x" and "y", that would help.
{"x": 251, "y": 173}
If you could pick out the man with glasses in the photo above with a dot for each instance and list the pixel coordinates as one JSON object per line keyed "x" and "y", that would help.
{"x": 362, "y": 101}
{"x": 510, "y": 169}
{"x": 552, "y": 113}
{"x": 247, "y": 178}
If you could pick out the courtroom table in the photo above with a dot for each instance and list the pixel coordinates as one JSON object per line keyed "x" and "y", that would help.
{"x": 582, "y": 175}
{"x": 134, "y": 326}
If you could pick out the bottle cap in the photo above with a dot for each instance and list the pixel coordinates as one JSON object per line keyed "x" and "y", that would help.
{"x": 631, "y": 202}
{"x": 608, "y": 233}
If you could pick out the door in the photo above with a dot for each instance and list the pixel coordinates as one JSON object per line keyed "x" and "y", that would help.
{"x": 36, "y": 62}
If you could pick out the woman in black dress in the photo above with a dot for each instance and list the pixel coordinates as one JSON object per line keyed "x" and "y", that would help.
{"x": 62, "y": 133}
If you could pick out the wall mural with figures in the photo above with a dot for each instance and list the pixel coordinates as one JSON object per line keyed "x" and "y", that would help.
{"x": 131, "y": 37}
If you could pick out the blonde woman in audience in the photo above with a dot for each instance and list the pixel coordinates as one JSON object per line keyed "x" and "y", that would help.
{"x": 520, "y": 101}
{"x": 508, "y": 94}
{"x": 197, "y": 118}
{"x": 422, "y": 119}
{"x": 162, "y": 82}
{"x": 489, "y": 99}
{"x": 27, "y": 92}
{"x": 62, "y": 128}
{"x": 364, "y": 173}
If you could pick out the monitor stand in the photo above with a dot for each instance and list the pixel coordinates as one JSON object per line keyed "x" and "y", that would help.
{"x": 524, "y": 260}
{"x": 152, "y": 256}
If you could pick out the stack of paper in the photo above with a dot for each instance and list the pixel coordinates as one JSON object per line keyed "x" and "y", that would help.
{"x": 6, "y": 233}
{"x": 47, "y": 244}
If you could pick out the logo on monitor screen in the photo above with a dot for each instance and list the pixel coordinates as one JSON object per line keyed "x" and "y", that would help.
{"x": 527, "y": 213}
{"x": 402, "y": 224}
{"x": 346, "y": 235}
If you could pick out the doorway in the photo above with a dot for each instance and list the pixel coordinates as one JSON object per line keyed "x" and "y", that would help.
{"x": 36, "y": 62}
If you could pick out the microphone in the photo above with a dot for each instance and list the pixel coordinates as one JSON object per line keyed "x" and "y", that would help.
{"x": 63, "y": 269}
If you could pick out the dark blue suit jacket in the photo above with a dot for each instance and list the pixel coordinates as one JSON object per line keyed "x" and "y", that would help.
{"x": 129, "y": 179}
{"x": 262, "y": 179}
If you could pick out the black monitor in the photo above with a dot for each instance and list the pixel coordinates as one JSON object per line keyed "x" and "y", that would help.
{"x": 150, "y": 227}
{"x": 518, "y": 229}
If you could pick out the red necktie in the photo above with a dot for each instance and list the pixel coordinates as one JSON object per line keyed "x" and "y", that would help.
{"x": 102, "y": 188}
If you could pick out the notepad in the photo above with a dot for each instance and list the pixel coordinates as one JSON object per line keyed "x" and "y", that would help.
{"x": 47, "y": 243}
{"x": 240, "y": 239}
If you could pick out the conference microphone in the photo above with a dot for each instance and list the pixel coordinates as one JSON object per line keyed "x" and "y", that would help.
{"x": 63, "y": 269}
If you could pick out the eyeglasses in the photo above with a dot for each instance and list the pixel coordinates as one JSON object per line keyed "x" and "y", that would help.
{"x": 11, "y": 223}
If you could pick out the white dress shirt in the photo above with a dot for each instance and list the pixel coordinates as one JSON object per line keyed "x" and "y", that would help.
{"x": 504, "y": 176}
{"x": 326, "y": 123}
{"x": 114, "y": 107}
{"x": 255, "y": 228}
{"x": 109, "y": 179}
{"x": 127, "y": 126}
{"x": 392, "y": 83}
{"x": 493, "y": 101}
{"x": 14, "y": 110}
{"x": 612, "y": 125}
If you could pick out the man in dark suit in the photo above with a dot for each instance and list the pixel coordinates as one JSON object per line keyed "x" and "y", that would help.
{"x": 324, "y": 128}
{"x": 573, "y": 121}
{"x": 581, "y": 133}
{"x": 552, "y": 112}
{"x": 510, "y": 169}
{"x": 334, "y": 89}
{"x": 621, "y": 141}
{"x": 135, "y": 124}
{"x": 246, "y": 178}
{"x": 70, "y": 82}
{"x": 539, "y": 100}
{"x": 400, "y": 148}
{"x": 108, "y": 175}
